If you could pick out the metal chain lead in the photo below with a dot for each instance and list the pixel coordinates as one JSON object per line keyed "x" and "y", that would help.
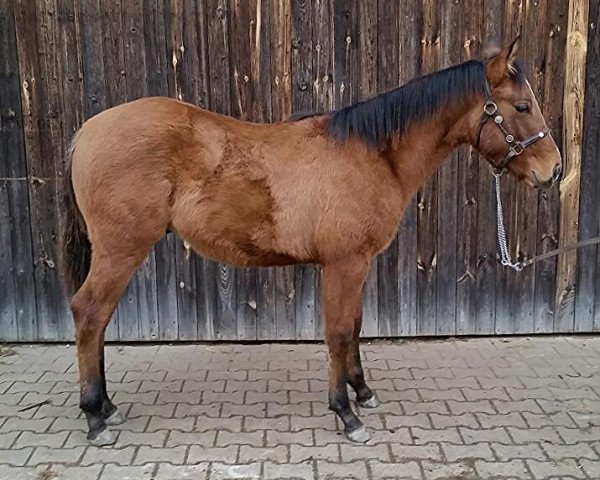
{"x": 505, "y": 258}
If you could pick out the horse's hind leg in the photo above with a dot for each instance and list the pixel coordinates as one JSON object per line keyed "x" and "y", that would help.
{"x": 92, "y": 307}
{"x": 342, "y": 301}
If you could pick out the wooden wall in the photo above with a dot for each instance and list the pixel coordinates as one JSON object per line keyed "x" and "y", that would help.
{"x": 62, "y": 61}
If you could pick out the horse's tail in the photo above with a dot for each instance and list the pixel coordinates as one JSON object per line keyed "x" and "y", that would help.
{"x": 76, "y": 250}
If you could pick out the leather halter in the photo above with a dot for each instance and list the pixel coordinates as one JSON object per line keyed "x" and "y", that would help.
{"x": 490, "y": 111}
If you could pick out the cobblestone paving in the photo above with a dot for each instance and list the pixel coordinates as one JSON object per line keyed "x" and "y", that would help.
{"x": 525, "y": 408}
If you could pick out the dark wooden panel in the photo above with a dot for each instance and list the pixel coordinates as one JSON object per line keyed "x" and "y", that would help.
{"x": 467, "y": 191}
{"x": 386, "y": 53}
{"x": 220, "y": 77}
{"x": 323, "y": 98}
{"x": 42, "y": 173}
{"x": 451, "y": 44}
{"x": 587, "y": 301}
{"x": 487, "y": 264}
{"x": 303, "y": 50}
{"x": 548, "y": 205}
{"x": 507, "y": 279}
{"x": 100, "y": 38}
{"x": 156, "y": 45}
{"x": 17, "y": 286}
{"x": 409, "y": 57}
{"x": 427, "y": 214}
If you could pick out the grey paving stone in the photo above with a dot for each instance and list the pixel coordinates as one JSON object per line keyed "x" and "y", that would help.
{"x": 16, "y": 457}
{"x": 381, "y": 471}
{"x": 435, "y": 470}
{"x": 296, "y": 471}
{"x": 227, "y": 454}
{"x": 301, "y": 453}
{"x": 510, "y": 452}
{"x": 221, "y": 470}
{"x": 114, "y": 455}
{"x": 471, "y": 451}
{"x": 511, "y": 469}
{"x": 408, "y": 452}
{"x": 560, "y": 468}
{"x": 249, "y": 454}
{"x": 45, "y": 455}
{"x": 354, "y": 470}
{"x": 166, "y": 471}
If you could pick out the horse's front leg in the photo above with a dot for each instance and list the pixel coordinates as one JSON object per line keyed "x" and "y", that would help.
{"x": 356, "y": 376}
{"x": 342, "y": 303}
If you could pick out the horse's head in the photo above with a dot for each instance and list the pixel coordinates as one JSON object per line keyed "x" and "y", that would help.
{"x": 511, "y": 132}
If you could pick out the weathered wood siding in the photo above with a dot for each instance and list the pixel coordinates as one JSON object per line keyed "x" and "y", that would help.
{"x": 62, "y": 61}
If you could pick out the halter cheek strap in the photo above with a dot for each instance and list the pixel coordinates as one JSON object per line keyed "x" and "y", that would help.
{"x": 490, "y": 111}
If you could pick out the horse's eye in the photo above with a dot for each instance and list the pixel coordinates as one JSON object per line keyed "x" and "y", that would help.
{"x": 522, "y": 107}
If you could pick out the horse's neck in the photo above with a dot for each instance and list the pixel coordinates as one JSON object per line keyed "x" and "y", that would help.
{"x": 423, "y": 149}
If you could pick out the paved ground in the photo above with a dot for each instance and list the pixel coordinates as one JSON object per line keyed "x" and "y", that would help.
{"x": 483, "y": 408}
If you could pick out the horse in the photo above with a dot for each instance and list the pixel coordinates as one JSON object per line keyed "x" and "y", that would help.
{"x": 328, "y": 189}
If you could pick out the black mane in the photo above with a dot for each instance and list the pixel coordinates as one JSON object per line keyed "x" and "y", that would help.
{"x": 391, "y": 113}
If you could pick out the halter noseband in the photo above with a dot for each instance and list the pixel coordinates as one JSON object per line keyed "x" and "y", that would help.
{"x": 490, "y": 111}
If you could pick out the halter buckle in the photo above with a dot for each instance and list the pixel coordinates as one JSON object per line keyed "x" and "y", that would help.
{"x": 490, "y": 108}
{"x": 516, "y": 149}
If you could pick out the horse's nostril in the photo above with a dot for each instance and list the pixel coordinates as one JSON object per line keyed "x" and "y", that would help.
{"x": 556, "y": 172}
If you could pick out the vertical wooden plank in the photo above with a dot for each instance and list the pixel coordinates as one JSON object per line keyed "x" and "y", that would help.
{"x": 386, "y": 55}
{"x": 42, "y": 172}
{"x": 52, "y": 78}
{"x": 369, "y": 29}
{"x": 409, "y": 55}
{"x": 280, "y": 323}
{"x": 322, "y": 101}
{"x": 155, "y": 41}
{"x": 451, "y": 41}
{"x": 574, "y": 98}
{"x": 427, "y": 214}
{"x": 109, "y": 25}
{"x": 251, "y": 90}
{"x": 302, "y": 100}
{"x": 507, "y": 279}
{"x": 197, "y": 77}
{"x": 142, "y": 323}
{"x": 96, "y": 87}
{"x": 72, "y": 107}
{"x": 8, "y": 291}
{"x": 526, "y": 203}
{"x": 220, "y": 101}
{"x": 587, "y": 298}
{"x": 17, "y": 285}
{"x": 487, "y": 265}
{"x": 548, "y": 205}
{"x": 184, "y": 75}
{"x": 468, "y": 181}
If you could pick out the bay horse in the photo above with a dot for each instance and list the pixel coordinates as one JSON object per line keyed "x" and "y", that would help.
{"x": 328, "y": 189}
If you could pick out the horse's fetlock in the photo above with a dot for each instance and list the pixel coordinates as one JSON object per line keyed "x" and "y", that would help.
{"x": 91, "y": 400}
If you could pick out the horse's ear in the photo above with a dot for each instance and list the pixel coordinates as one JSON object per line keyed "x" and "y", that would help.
{"x": 511, "y": 53}
{"x": 502, "y": 64}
